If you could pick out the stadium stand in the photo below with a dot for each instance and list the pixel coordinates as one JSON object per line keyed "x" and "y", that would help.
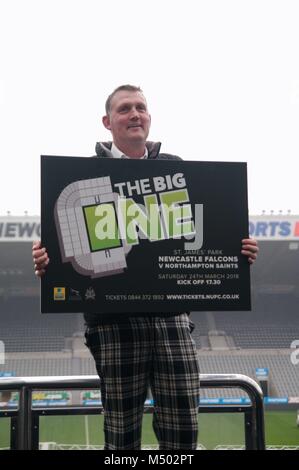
{"x": 258, "y": 329}
{"x": 227, "y": 342}
{"x": 37, "y": 366}
{"x": 24, "y": 329}
{"x": 283, "y": 375}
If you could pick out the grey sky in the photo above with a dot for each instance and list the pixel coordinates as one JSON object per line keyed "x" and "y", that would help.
{"x": 221, "y": 79}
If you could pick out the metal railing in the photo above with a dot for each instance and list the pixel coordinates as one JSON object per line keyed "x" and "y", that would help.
{"x": 25, "y": 420}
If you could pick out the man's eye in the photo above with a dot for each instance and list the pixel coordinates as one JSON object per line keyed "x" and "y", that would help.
{"x": 124, "y": 109}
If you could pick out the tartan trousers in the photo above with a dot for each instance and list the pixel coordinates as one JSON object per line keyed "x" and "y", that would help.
{"x": 141, "y": 352}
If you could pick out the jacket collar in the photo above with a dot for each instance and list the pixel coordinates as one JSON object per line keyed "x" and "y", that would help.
{"x": 103, "y": 149}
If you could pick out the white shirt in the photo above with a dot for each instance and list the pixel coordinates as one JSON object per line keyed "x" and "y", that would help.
{"x": 118, "y": 154}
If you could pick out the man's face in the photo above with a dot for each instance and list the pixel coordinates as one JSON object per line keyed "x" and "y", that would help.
{"x": 128, "y": 120}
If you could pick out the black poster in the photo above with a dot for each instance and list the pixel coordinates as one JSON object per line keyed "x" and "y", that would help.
{"x": 143, "y": 235}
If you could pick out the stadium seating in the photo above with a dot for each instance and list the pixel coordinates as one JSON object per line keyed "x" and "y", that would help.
{"x": 283, "y": 375}
{"x": 227, "y": 342}
{"x": 23, "y": 328}
{"x": 272, "y": 325}
{"x": 38, "y": 366}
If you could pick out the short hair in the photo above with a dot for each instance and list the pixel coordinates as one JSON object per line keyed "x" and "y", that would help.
{"x": 132, "y": 88}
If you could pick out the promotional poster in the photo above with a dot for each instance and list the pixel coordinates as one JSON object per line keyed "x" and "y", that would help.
{"x": 143, "y": 235}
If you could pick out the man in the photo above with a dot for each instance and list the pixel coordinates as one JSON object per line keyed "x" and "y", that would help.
{"x": 146, "y": 349}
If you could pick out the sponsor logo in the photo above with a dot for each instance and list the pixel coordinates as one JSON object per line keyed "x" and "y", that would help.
{"x": 275, "y": 228}
{"x": 59, "y": 293}
{"x": 90, "y": 294}
{"x": 19, "y": 229}
{"x": 74, "y": 295}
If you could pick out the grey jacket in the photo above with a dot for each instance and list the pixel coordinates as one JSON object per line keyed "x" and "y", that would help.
{"x": 103, "y": 150}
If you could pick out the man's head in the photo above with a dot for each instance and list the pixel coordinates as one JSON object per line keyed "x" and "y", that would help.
{"x": 128, "y": 119}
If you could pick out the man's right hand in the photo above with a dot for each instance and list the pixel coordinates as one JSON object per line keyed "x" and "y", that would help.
{"x": 40, "y": 259}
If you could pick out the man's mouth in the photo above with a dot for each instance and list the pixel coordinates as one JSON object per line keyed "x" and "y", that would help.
{"x": 134, "y": 125}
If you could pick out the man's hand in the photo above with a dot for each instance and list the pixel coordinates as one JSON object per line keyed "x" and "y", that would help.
{"x": 40, "y": 259}
{"x": 250, "y": 249}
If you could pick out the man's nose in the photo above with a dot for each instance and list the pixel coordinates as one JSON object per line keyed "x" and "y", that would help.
{"x": 134, "y": 113}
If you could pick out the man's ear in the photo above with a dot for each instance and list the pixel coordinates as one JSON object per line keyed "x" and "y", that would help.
{"x": 106, "y": 122}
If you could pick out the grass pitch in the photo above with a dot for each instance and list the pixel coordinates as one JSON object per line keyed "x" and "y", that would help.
{"x": 214, "y": 429}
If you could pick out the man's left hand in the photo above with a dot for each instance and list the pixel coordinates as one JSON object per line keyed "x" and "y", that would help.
{"x": 250, "y": 249}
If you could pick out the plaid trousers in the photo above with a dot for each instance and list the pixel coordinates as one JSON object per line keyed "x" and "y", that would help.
{"x": 141, "y": 352}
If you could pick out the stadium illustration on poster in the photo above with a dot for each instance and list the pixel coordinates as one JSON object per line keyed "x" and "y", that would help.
{"x": 76, "y": 213}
